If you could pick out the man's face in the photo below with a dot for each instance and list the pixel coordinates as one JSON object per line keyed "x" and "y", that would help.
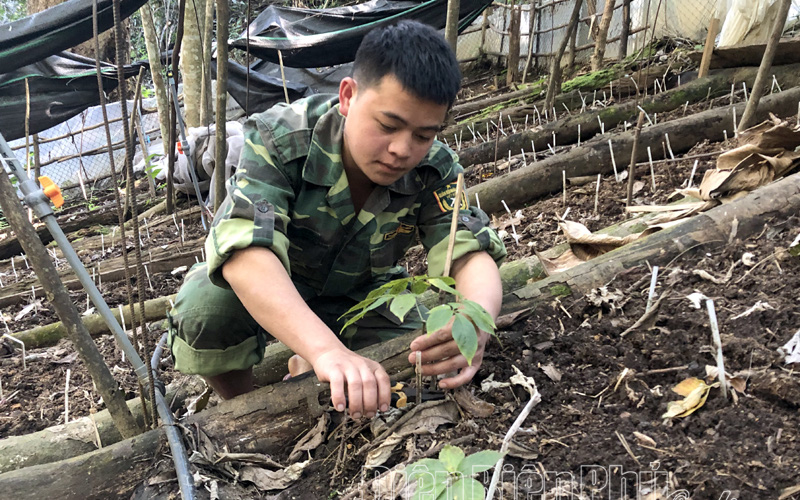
{"x": 388, "y": 130}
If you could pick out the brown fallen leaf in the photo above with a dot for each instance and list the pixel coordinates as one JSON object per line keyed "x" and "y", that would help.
{"x": 509, "y": 319}
{"x": 648, "y": 320}
{"x": 552, "y": 372}
{"x": 266, "y": 480}
{"x": 695, "y": 393}
{"x": 312, "y": 439}
{"x": 472, "y": 404}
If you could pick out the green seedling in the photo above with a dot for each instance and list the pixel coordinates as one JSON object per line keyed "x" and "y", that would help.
{"x": 450, "y": 476}
{"x": 401, "y": 296}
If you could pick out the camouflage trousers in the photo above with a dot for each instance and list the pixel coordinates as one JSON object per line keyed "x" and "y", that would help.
{"x": 210, "y": 331}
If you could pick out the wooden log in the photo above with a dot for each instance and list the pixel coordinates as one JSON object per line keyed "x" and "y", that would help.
{"x": 566, "y": 128}
{"x": 268, "y": 420}
{"x": 701, "y": 233}
{"x": 111, "y": 270}
{"x": 79, "y": 436}
{"x": 47, "y": 335}
{"x": 536, "y": 180}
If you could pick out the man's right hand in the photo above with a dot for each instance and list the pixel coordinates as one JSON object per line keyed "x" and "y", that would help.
{"x": 367, "y": 383}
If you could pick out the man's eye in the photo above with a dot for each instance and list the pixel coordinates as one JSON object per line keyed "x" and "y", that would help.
{"x": 387, "y": 128}
{"x": 423, "y": 138}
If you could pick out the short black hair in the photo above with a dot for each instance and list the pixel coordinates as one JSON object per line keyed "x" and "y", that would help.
{"x": 416, "y": 54}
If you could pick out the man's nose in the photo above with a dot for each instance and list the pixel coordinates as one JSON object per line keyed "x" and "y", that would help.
{"x": 401, "y": 146}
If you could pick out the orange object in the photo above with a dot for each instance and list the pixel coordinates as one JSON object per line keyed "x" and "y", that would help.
{"x": 51, "y": 190}
{"x": 180, "y": 147}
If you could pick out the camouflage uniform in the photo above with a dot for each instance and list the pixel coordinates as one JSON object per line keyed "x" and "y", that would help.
{"x": 291, "y": 195}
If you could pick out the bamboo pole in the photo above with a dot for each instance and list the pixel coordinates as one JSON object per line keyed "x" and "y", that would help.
{"x": 705, "y": 63}
{"x": 762, "y": 77}
{"x": 223, "y": 17}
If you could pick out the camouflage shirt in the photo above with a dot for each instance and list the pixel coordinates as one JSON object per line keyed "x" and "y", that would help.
{"x": 290, "y": 194}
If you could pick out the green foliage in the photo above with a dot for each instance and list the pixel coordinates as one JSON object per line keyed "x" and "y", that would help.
{"x": 401, "y": 296}
{"x": 11, "y": 10}
{"x": 450, "y": 477}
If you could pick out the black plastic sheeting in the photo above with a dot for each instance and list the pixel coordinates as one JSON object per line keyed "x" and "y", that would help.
{"x": 58, "y": 28}
{"x": 61, "y": 86}
{"x": 266, "y": 86}
{"x": 313, "y": 38}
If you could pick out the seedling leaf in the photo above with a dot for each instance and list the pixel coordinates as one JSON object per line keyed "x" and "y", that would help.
{"x": 478, "y": 462}
{"x": 464, "y": 489}
{"x": 451, "y": 457}
{"x": 402, "y": 304}
{"x": 465, "y": 336}
{"x": 438, "y": 317}
{"x": 479, "y": 316}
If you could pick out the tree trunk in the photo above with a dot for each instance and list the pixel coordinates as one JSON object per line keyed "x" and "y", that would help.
{"x": 626, "y": 28}
{"x": 208, "y": 32}
{"x": 602, "y": 36}
{"x": 748, "y": 118}
{"x": 191, "y": 63}
{"x": 451, "y": 24}
{"x": 554, "y": 82}
{"x": 513, "y": 46}
{"x": 269, "y": 419}
{"x": 223, "y": 15}
{"x": 522, "y": 186}
{"x": 566, "y": 127}
{"x": 156, "y": 68}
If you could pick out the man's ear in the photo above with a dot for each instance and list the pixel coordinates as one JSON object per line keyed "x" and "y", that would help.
{"x": 347, "y": 92}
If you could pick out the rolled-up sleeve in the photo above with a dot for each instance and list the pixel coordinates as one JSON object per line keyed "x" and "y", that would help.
{"x": 255, "y": 210}
{"x": 473, "y": 233}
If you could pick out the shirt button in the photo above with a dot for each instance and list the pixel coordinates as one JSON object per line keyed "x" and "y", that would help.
{"x": 262, "y": 207}
{"x": 464, "y": 218}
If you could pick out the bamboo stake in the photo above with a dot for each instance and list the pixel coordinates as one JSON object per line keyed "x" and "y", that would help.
{"x": 766, "y": 64}
{"x": 712, "y": 318}
{"x": 632, "y": 166}
{"x": 454, "y": 224}
{"x": 597, "y": 193}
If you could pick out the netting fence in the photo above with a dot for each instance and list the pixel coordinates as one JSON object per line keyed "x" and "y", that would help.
{"x": 74, "y": 153}
{"x": 543, "y": 25}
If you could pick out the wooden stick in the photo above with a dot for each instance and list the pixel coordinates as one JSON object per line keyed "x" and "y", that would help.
{"x": 564, "y": 185}
{"x": 454, "y": 224}
{"x": 66, "y": 397}
{"x": 632, "y": 166}
{"x": 652, "y": 293}
{"x": 283, "y": 77}
{"x": 613, "y": 160}
{"x": 597, "y": 193}
{"x": 652, "y": 171}
{"x": 712, "y": 317}
{"x": 705, "y": 63}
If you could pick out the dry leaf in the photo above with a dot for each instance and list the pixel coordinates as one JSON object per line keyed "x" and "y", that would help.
{"x": 644, "y": 439}
{"x": 490, "y": 383}
{"x": 509, "y": 319}
{"x": 566, "y": 260}
{"x": 472, "y": 404}
{"x": 312, "y": 438}
{"x": 648, "y": 319}
{"x": 381, "y": 454}
{"x": 552, "y": 372}
{"x": 587, "y": 245}
{"x": 695, "y": 393}
{"x": 758, "y": 306}
{"x": 266, "y": 480}
{"x": 737, "y": 383}
{"x": 791, "y": 350}
{"x": 696, "y": 299}
{"x": 258, "y": 459}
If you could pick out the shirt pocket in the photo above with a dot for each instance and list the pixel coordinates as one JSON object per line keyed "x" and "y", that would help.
{"x": 307, "y": 250}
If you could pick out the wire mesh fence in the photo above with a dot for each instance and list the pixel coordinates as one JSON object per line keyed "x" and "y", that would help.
{"x": 543, "y": 25}
{"x": 74, "y": 153}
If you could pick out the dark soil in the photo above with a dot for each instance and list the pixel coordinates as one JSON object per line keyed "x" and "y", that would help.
{"x": 598, "y": 388}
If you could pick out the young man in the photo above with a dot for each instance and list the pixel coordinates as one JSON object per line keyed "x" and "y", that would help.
{"x": 329, "y": 194}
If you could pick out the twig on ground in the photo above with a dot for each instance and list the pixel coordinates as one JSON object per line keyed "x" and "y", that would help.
{"x": 712, "y": 316}
{"x": 535, "y": 399}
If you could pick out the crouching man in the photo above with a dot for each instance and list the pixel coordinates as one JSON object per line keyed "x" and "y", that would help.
{"x": 329, "y": 194}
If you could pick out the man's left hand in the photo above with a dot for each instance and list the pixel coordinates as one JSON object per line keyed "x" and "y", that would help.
{"x": 441, "y": 355}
